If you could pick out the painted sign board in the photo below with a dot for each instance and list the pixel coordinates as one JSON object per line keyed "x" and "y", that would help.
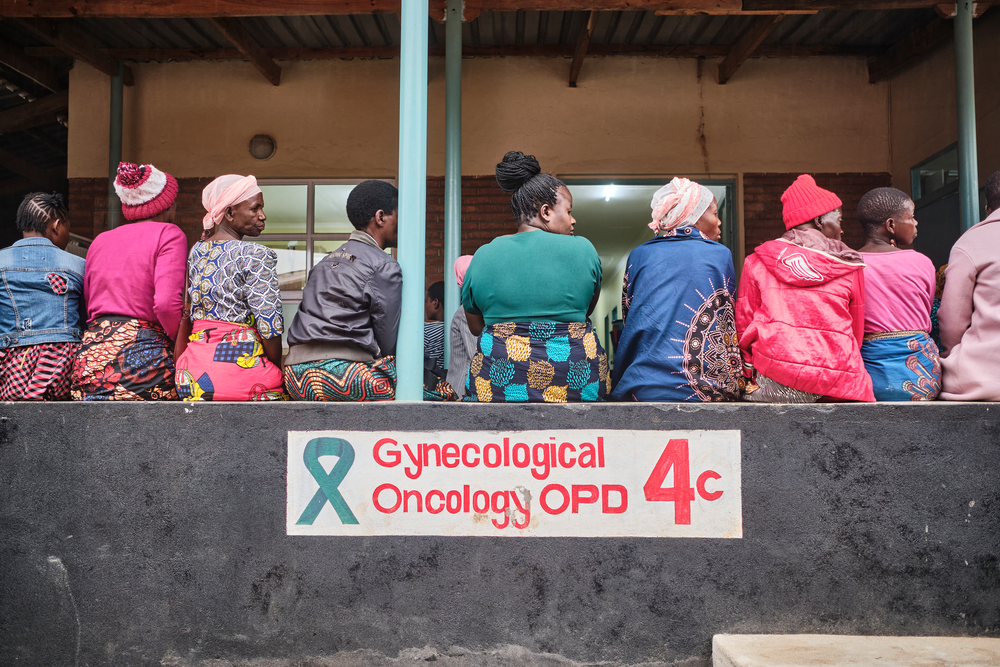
{"x": 561, "y": 483}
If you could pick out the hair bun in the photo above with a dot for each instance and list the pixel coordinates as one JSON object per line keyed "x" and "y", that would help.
{"x": 515, "y": 170}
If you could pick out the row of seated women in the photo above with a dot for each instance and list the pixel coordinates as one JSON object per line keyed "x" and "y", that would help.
{"x": 145, "y": 319}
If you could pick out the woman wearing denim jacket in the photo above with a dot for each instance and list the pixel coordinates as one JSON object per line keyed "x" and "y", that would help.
{"x": 41, "y": 304}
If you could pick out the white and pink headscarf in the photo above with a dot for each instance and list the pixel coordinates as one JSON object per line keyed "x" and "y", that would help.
{"x": 223, "y": 192}
{"x": 461, "y": 266}
{"x": 679, "y": 202}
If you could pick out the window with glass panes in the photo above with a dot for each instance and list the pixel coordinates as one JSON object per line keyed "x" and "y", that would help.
{"x": 306, "y": 219}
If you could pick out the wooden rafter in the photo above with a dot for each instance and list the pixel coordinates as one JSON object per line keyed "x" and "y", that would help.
{"x": 37, "y": 70}
{"x": 33, "y": 114}
{"x": 38, "y": 176}
{"x": 248, "y": 8}
{"x": 534, "y": 50}
{"x": 582, "y": 42}
{"x": 748, "y": 42}
{"x": 250, "y": 49}
{"x": 909, "y": 49}
{"x": 75, "y": 43}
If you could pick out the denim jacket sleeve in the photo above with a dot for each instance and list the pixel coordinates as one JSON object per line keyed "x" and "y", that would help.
{"x": 385, "y": 293}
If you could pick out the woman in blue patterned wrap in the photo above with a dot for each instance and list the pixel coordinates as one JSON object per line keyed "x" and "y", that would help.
{"x": 234, "y": 350}
{"x": 679, "y": 339}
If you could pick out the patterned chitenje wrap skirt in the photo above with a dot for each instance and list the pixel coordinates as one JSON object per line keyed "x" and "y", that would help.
{"x": 538, "y": 362}
{"x": 124, "y": 359}
{"x": 904, "y": 365}
{"x": 224, "y": 361}
{"x": 336, "y": 380}
{"x": 40, "y": 372}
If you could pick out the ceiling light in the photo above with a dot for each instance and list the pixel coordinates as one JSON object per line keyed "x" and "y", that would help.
{"x": 609, "y": 191}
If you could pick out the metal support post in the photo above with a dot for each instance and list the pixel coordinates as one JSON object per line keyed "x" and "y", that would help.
{"x": 412, "y": 196}
{"x": 452, "y": 166}
{"x": 965, "y": 89}
{"x": 115, "y": 146}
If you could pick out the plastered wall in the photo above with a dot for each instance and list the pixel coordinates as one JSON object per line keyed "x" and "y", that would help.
{"x": 923, "y": 116}
{"x": 629, "y": 116}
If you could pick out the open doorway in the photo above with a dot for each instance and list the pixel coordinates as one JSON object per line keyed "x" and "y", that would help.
{"x": 613, "y": 214}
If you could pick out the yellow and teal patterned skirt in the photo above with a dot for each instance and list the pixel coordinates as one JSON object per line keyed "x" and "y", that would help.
{"x": 538, "y": 362}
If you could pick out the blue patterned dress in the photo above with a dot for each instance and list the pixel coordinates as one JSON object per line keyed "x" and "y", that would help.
{"x": 679, "y": 340}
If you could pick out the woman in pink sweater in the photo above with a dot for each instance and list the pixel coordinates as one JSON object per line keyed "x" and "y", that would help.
{"x": 133, "y": 285}
{"x": 969, "y": 316}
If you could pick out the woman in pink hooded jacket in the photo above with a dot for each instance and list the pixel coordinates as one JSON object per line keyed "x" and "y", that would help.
{"x": 800, "y": 313}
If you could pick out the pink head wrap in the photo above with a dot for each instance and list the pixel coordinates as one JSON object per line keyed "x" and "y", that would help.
{"x": 461, "y": 266}
{"x": 679, "y": 202}
{"x": 223, "y": 192}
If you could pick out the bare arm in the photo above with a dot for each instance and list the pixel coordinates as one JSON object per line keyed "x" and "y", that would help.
{"x": 476, "y": 323}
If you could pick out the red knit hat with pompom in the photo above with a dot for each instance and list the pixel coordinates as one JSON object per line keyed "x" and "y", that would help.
{"x": 145, "y": 191}
{"x": 804, "y": 200}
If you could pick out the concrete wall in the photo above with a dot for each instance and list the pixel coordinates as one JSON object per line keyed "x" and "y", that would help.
{"x": 150, "y": 534}
{"x": 923, "y": 105}
{"x": 629, "y": 116}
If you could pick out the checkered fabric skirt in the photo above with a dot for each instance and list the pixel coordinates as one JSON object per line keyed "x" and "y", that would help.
{"x": 538, "y": 362}
{"x": 37, "y": 372}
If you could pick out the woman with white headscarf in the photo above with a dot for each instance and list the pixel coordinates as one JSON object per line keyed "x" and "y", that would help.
{"x": 234, "y": 350}
{"x": 679, "y": 340}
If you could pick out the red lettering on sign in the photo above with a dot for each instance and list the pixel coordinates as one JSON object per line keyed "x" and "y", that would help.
{"x": 456, "y": 506}
{"x": 563, "y": 461}
{"x": 465, "y": 455}
{"x": 704, "y": 477}
{"x": 600, "y": 451}
{"x": 394, "y": 456}
{"x": 497, "y": 509}
{"x": 449, "y": 455}
{"x": 544, "y": 503}
{"x": 588, "y": 455}
{"x": 492, "y": 447}
{"x": 440, "y": 496}
{"x": 485, "y": 506}
{"x": 428, "y": 447}
{"x": 525, "y": 510}
{"x": 541, "y": 469}
{"x": 606, "y": 491}
{"x": 580, "y": 499}
{"x": 506, "y": 452}
{"x": 379, "y": 506}
{"x": 675, "y": 457}
{"x": 526, "y": 460}
{"x": 418, "y": 461}
{"x": 412, "y": 494}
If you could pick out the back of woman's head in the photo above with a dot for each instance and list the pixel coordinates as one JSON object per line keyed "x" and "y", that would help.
{"x": 38, "y": 209}
{"x": 879, "y": 205}
{"x": 521, "y": 175}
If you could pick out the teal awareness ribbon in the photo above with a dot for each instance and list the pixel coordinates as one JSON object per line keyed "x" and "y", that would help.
{"x": 328, "y": 484}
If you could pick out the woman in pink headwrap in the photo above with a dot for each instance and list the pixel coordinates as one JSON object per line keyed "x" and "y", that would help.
{"x": 234, "y": 350}
{"x": 679, "y": 339}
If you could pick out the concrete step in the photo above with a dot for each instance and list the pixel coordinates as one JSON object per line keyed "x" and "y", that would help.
{"x": 847, "y": 650}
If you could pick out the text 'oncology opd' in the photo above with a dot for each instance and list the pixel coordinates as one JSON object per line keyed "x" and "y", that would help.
{"x": 566, "y": 483}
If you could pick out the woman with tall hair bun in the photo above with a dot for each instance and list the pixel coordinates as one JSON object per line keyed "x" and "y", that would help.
{"x": 679, "y": 340}
{"x": 133, "y": 287}
{"x": 233, "y": 352}
{"x": 528, "y": 295}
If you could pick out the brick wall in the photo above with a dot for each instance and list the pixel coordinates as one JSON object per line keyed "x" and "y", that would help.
{"x": 762, "y": 203}
{"x": 485, "y": 216}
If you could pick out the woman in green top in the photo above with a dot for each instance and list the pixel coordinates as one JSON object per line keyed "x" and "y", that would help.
{"x": 528, "y": 296}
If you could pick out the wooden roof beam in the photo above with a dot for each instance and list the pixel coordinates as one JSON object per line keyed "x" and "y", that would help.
{"x": 37, "y": 70}
{"x": 747, "y": 44}
{"x": 75, "y": 43}
{"x": 582, "y": 42}
{"x": 908, "y": 49}
{"x": 250, "y": 49}
{"x": 40, "y": 112}
{"x": 788, "y": 6}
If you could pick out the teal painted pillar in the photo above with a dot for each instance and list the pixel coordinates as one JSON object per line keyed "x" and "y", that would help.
{"x": 452, "y": 166}
{"x": 115, "y": 145}
{"x": 412, "y": 196}
{"x": 965, "y": 89}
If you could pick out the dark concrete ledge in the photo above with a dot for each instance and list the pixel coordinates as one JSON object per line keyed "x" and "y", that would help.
{"x": 135, "y": 534}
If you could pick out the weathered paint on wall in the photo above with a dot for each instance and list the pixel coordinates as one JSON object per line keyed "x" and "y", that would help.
{"x": 923, "y": 105}
{"x": 629, "y": 116}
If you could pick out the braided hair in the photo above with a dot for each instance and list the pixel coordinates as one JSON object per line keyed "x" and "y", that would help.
{"x": 39, "y": 209}
{"x": 993, "y": 191}
{"x": 879, "y": 205}
{"x": 521, "y": 175}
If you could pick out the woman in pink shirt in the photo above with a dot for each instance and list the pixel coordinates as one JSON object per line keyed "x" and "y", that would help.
{"x": 898, "y": 351}
{"x": 133, "y": 285}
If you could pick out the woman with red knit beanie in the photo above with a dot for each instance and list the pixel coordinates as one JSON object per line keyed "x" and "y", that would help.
{"x": 800, "y": 313}
{"x": 133, "y": 285}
